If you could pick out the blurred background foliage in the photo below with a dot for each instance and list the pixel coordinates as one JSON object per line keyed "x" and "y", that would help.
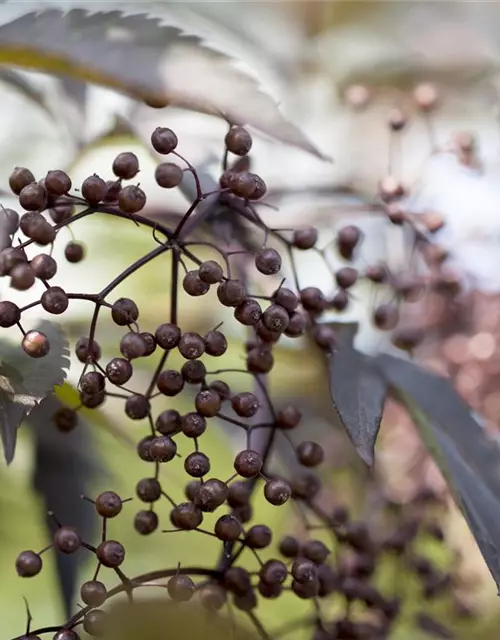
{"x": 305, "y": 55}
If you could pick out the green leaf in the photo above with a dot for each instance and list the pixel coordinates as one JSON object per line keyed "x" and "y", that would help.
{"x": 24, "y": 381}
{"x": 137, "y": 55}
{"x": 358, "y": 393}
{"x": 467, "y": 457}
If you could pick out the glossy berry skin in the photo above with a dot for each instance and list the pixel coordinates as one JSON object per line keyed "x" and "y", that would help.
{"x": 310, "y": 454}
{"x": 180, "y": 588}
{"x": 268, "y": 261}
{"x": 168, "y": 175}
{"x": 211, "y": 495}
{"x": 167, "y": 335}
{"x": 65, "y": 419}
{"x": 163, "y": 140}
{"x": 86, "y": 352}
{"x": 110, "y": 553}
{"x": 277, "y": 492}
{"x": 93, "y": 593}
{"x": 74, "y": 252}
{"x": 94, "y": 189}
{"x": 20, "y": 178}
{"x": 132, "y": 345}
{"x": 197, "y": 464}
{"x": 94, "y": 622}
{"x": 33, "y": 197}
{"x": 245, "y": 404}
{"x": 186, "y": 516}
{"x": 258, "y": 537}
{"x": 137, "y": 407}
{"x": 28, "y": 564}
{"x": 10, "y": 314}
{"x": 57, "y": 182}
{"x": 228, "y": 528}
{"x": 131, "y": 199}
{"x": 66, "y": 634}
{"x": 119, "y": 371}
{"x": 148, "y": 490}
{"x": 248, "y": 463}
{"x": 44, "y": 266}
{"x": 36, "y": 344}
{"x": 210, "y": 272}
{"x": 305, "y": 238}
{"x": 126, "y": 165}
{"x": 124, "y": 311}
{"x": 215, "y": 343}
{"x": 238, "y": 141}
{"x": 145, "y": 522}
{"x": 163, "y": 449}
{"x": 108, "y": 504}
{"x": 54, "y": 300}
{"x": 67, "y": 540}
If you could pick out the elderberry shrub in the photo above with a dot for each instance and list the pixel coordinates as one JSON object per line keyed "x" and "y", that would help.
{"x": 299, "y": 563}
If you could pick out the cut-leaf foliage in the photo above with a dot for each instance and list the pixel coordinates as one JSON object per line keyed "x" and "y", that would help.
{"x": 25, "y": 381}
{"x": 358, "y": 392}
{"x": 467, "y": 457}
{"x": 65, "y": 466}
{"x": 137, "y": 55}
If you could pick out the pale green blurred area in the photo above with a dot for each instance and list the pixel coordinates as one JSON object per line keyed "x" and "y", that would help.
{"x": 305, "y": 53}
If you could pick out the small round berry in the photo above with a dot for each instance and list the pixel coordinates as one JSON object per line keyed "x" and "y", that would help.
{"x": 163, "y": 140}
{"x": 92, "y": 382}
{"x": 211, "y": 495}
{"x": 248, "y": 463}
{"x": 61, "y": 211}
{"x": 191, "y": 489}
{"x": 131, "y": 199}
{"x": 215, "y": 343}
{"x": 119, "y": 371}
{"x": 288, "y": 417}
{"x": 396, "y": 119}
{"x": 92, "y": 400}
{"x": 167, "y": 336}
{"x": 275, "y": 318}
{"x": 228, "y": 528}
{"x": 65, "y": 419}
{"x": 137, "y": 407}
{"x": 67, "y": 540}
{"x": 237, "y": 580}
{"x": 426, "y": 96}
{"x": 303, "y": 570}
{"x": 20, "y": 178}
{"x": 170, "y": 382}
{"x": 180, "y": 588}
{"x": 54, "y": 300}
{"x": 245, "y": 404}
{"x": 305, "y": 238}
{"x": 197, "y": 464}
{"x": 113, "y": 190}
{"x": 191, "y": 345}
{"x": 260, "y": 360}
{"x": 310, "y": 454}
{"x": 66, "y": 634}
{"x": 289, "y": 547}
{"x": 11, "y": 219}
{"x": 94, "y": 622}
{"x": 145, "y": 522}
{"x": 346, "y": 277}
{"x": 33, "y": 197}
{"x": 259, "y": 188}
{"x": 186, "y": 516}
{"x": 248, "y": 313}
{"x": 347, "y": 240}
{"x": 386, "y": 316}
{"x": 305, "y": 486}
{"x": 93, "y": 593}
{"x": 108, "y": 504}
{"x": 315, "y": 551}
{"x": 277, "y": 491}
{"x": 273, "y": 572}
{"x": 325, "y": 337}
{"x": 312, "y": 299}
{"x": 85, "y": 353}
{"x": 162, "y": 449}
{"x": 210, "y": 272}
{"x": 150, "y": 342}
{"x": 193, "y": 285}
{"x": 306, "y": 590}
{"x": 28, "y": 564}
{"x": 126, "y": 165}
{"x": 168, "y": 422}
{"x": 238, "y": 141}
{"x": 57, "y": 182}
{"x": 377, "y": 273}
{"x": 239, "y": 494}
{"x": 193, "y": 425}
{"x": 231, "y": 293}
{"x": 269, "y": 591}
{"x": 9, "y": 258}
{"x": 222, "y": 389}
{"x": 193, "y": 371}
{"x": 124, "y": 311}
{"x": 36, "y": 344}
{"x": 258, "y": 537}
{"x": 148, "y": 490}
{"x": 144, "y": 448}
{"x": 286, "y": 299}
{"x": 241, "y": 184}
{"x": 407, "y": 338}
{"x": 297, "y": 325}
{"x": 208, "y": 403}
{"x": 340, "y": 300}
{"x": 132, "y": 345}
{"x": 212, "y": 597}
{"x": 44, "y": 266}
{"x": 94, "y": 189}
{"x": 268, "y": 261}
{"x": 74, "y": 252}
{"x": 168, "y": 175}
{"x": 10, "y": 314}
{"x": 22, "y": 277}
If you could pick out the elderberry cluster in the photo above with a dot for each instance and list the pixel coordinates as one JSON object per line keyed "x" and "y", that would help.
{"x": 304, "y": 565}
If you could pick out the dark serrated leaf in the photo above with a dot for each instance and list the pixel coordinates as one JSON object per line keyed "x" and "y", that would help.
{"x": 358, "y": 393}
{"x": 137, "y": 55}
{"x": 65, "y": 467}
{"x": 468, "y": 458}
{"x": 24, "y": 382}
